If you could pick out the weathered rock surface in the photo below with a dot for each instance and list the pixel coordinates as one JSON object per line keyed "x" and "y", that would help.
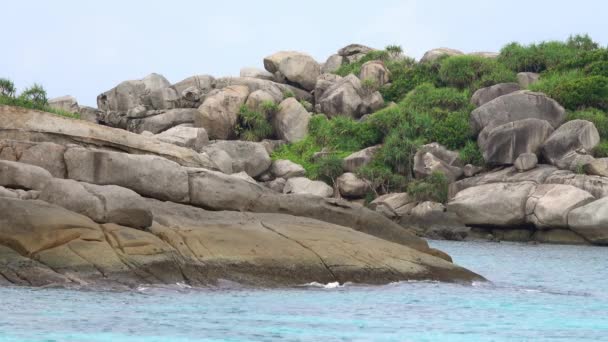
{"x": 286, "y": 169}
{"x": 434, "y": 157}
{"x": 597, "y": 167}
{"x": 219, "y": 112}
{"x": 346, "y": 96}
{"x": 23, "y": 176}
{"x": 496, "y": 204}
{"x": 298, "y": 68}
{"x": 352, "y": 186}
{"x": 569, "y": 147}
{"x": 256, "y": 73}
{"x": 434, "y": 54}
{"x": 548, "y": 206}
{"x": 525, "y": 79}
{"x": 48, "y": 156}
{"x": 185, "y": 136}
{"x": 376, "y": 72}
{"x": 35, "y": 126}
{"x": 159, "y": 120}
{"x": 333, "y": 63}
{"x": 359, "y": 159}
{"x": 502, "y": 144}
{"x": 67, "y": 103}
{"x": 485, "y": 95}
{"x": 247, "y": 156}
{"x": 591, "y": 221}
{"x": 516, "y": 106}
{"x": 305, "y": 186}
{"x": 597, "y": 186}
{"x": 153, "y": 92}
{"x": 291, "y": 121}
{"x": 525, "y": 162}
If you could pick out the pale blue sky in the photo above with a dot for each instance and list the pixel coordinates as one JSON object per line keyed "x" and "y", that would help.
{"x": 83, "y": 47}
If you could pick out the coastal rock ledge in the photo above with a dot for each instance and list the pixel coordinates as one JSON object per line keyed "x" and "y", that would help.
{"x": 84, "y": 204}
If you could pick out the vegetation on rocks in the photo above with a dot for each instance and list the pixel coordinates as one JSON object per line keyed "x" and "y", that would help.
{"x": 33, "y": 97}
{"x": 255, "y": 125}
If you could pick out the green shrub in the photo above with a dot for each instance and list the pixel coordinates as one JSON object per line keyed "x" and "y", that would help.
{"x": 399, "y": 148}
{"x": 329, "y": 168}
{"x": 253, "y": 125}
{"x": 300, "y": 152}
{"x": 535, "y": 57}
{"x": 597, "y": 68}
{"x": 355, "y": 68}
{"x": 7, "y": 88}
{"x": 452, "y": 131}
{"x": 582, "y": 59}
{"x": 599, "y": 119}
{"x": 581, "y": 42}
{"x": 382, "y": 177}
{"x": 473, "y": 72}
{"x": 470, "y": 154}
{"x": 426, "y": 96}
{"x": 432, "y": 188}
{"x": 342, "y": 133}
{"x": 551, "y": 80}
{"x": 407, "y": 75}
{"x": 35, "y": 94}
{"x": 589, "y": 91}
{"x": 601, "y": 150}
{"x": 288, "y": 94}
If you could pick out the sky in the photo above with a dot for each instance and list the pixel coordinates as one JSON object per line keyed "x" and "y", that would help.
{"x": 83, "y": 48}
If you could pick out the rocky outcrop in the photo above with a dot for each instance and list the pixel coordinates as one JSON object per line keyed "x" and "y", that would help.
{"x": 569, "y": 147}
{"x": 525, "y": 162}
{"x": 305, "y": 186}
{"x": 155, "y": 121}
{"x": 153, "y": 92}
{"x": 247, "y": 156}
{"x": 485, "y": 95}
{"x": 591, "y": 221}
{"x": 434, "y": 54}
{"x": 548, "y": 206}
{"x": 66, "y": 103}
{"x": 394, "y": 205}
{"x": 23, "y": 176}
{"x": 333, "y": 63}
{"x": 286, "y": 169}
{"x": 185, "y": 136}
{"x": 433, "y": 158}
{"x": 502, "y": 144}
{"x": 375, "y": 72}
{"x": 516, "y": 106}
{"x": 291, "y": 121}
{"x": 595, "y": 185}
{"x": 35, "y": 126}
{"x": 360, "y": 158}
{"x": 346, "y": 96}
{"x": 597, "y": 167}
{"x": 354, "y": 52}
{"x": 256, "y": 73}
{"x": 297, "y": 68}
{"x": 525, "y": 79}
{"x": 219, "y": 112}
{"x": 352, "y": 186}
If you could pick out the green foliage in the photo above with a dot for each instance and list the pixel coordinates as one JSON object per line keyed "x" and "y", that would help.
{"x": 597, "y": 68}
{"x": 473, "y": 72}
{"x": 253, "y": 125}
{"x": 601, "y": 150}
{"x": 382, "y": 177}
{"x": 35, "y": 94}
{"x": 300, "y": 152}
{"x": 288, "y": 94}
{"x": 426, "y": 97}
{"x": 7, "y": 88}
{"x": 470, "y": 154}
{"x": 406, "y": 75}
{"x": 550, "y": 80}
{"x": 599, "y": 119}
{"x": 399, "y": 149}
{"x": 342, "y": 133}
{"x": 535, "y": 57}
{"x": 355, "y": 68}
{"x": 369, "y": 86}
{"x": 589, "y": 91}
{"x": 329, "y": 168}
{"x": 432, "y": 188}
{"x": 581, "y": 42}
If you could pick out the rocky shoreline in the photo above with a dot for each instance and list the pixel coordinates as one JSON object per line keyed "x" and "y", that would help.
{"x": 166, "y": 183}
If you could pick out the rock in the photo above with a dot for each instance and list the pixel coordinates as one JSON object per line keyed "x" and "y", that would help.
{"x": 526, "y": 162}
{"x": 256, "y": 73}
{"x": 244, "y": 176}
{"x": 219, "y": 112}
{"x": 4, "y": 192}
{"x": 525, "y": 79}
{"x": 434, "y": 54}
{"x": 291, "y": 121}
{"x": 497, "y": 204}
{"x": 153, "y": 91}
{"x": 277, "y": 184}
{"x": 160, "y": 121}
{"x": 354, "y": 49}
{"x": 147, "y": 175}
{"x": 595, "y": 185}
{"x": 570, "y": 145}
{"x": 502, "y": 144}
{"x": 103, "y": 204}
{"x": 394, "y": 205}
{"x": 559, "y": 236}
{"x": 352, "y": 186}
{"x": 48, "y": 156}
{"x": 470, "y": 170}
{"x": 597, "y": 167}
{"x": 286, "y": 169}
{"x": 302, "y": 185}
{"x": 591, "y": 221}
{"x": 324, "y": 82}
{"x": 277, "y": 90}
{"x": 485, "y": 95}
{"x": 347, "y": 97}
{"x": 30, "y": 125}
{"x": 185, "y": 136}
{"x": 89, "y": 114}
{"x": 247, "y": 156}
{"x": 333, "y": 63}
{"x": 538, "y": 175}
{"x": 433, "y": 219}
{"x": 271, "y": 145}
{"x": 548, "y": 206}
{"x": 516, "y": 106}
{"x": 434, "y": 157}
{"x": 222, "y": 159}
{"x": 360, "y": 158}
{"x": 298, "y": 68}
{"x": 256, "y": 99}
{"x": 66, "y": 103}
{"x": 375, "y": 71}
{"x": 23, "y": 176}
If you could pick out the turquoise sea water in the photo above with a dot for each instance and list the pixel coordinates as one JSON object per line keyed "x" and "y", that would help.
{"x": 538, "y": 293}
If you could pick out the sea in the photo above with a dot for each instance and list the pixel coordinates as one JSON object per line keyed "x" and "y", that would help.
{"x": 534, "y": 293}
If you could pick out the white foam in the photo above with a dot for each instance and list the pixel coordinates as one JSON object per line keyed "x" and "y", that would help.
{"x": 332, "y": 285}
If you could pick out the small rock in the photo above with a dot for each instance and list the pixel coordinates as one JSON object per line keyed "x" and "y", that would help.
{"x": 525, "y": 162}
